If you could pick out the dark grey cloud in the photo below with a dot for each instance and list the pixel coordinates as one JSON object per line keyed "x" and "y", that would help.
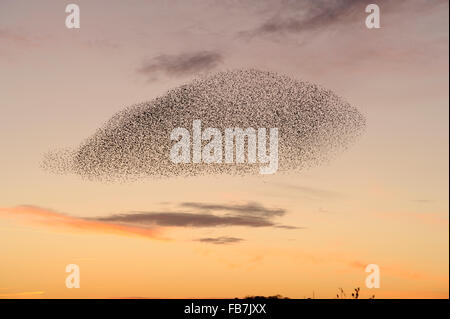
{"x": 187, "y": 219}
{"x": 249, "y": 215}
{"x": 305, "y": 16}
{"x": 220, "y": 240}
{"x": 181, "y": 64}
{"x": 301, "y": 16}
{"x": 288, "y": 227}
{"x": 320, "y": 15}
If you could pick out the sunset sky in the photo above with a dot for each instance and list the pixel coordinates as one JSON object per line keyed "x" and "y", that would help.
{"x": 383, "y": 201}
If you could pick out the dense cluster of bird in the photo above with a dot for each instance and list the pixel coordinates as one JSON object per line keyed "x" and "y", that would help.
{"x": 313, "y": 124}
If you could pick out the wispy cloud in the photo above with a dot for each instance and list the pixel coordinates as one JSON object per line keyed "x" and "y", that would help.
{"x": 310, "y": 191}
{"x": 305, "y": 16}
{"x": 288, "y": 227}
{"x": 101, "y": 44}
{"x": 422, "y": 201}
{"x": 14, "y": 37}
{"x": 152, "y": 224}
{"x": 295, "y": 17}
{"x": 220, "y": 240}
{"x": 24, "y": 294}
{"x": 428, "y": 218}
{"x": 248, "y": 209}
{"x": 181, "y": 64}
{"x": 393, "y": 269}
{"x": 53, "y": 219}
